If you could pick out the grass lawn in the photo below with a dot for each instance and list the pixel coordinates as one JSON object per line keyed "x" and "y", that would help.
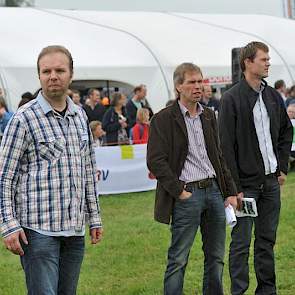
{"x": 131, "y": 258}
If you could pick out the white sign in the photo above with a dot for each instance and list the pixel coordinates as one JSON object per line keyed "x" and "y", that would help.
{"x": 122, "y": 169}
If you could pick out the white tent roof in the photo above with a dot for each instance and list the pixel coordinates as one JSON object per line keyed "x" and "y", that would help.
{"x": 136, "y": 47}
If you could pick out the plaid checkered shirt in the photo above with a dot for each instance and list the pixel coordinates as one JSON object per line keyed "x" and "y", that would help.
{"x": 47, "y": 170}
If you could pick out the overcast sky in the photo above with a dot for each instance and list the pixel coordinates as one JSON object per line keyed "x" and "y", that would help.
{"x": 269, "y": 7}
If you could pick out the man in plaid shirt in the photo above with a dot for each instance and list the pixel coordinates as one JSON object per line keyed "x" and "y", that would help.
{"x": 47, "y": 181}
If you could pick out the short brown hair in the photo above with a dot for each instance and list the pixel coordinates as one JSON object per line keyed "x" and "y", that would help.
{"x": 55, "y": 49}
{"x": 181, "y": 70}
{"x": 249, "y": 52}
{"x": 138, "y": 88}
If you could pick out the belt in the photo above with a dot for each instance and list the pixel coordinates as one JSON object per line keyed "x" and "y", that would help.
{"x": 271, "y": 175}
{"x": 201, "y": 184}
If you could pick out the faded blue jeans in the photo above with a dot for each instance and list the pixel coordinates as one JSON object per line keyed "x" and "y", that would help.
{"x": 205, "y": 208}
{"x": 52, "y": 264}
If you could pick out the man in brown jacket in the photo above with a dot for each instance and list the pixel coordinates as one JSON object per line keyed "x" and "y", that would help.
{"x": 193, "y": 181}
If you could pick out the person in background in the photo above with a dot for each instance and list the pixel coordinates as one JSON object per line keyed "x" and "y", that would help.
{"x": 76, "y": 97}
{"x": 47, "y": 182}
{"x": 115, "y": 121}
{"x": 98, "y": 133}
{"x": 26, "y": 97}
{"x": 256, "y": 136}
{"x": 280, "y": 87}
{"x": 208, "y": 99}
{"x": 291, "y": 114}
{"x": 135, "y": 103}
{"x": 145, "y": 102}
{"x": 140, "y": 131}
{"x": 5, "y": 115}
{"x": 94, "y": 110}
{"x": 291, "y": 98}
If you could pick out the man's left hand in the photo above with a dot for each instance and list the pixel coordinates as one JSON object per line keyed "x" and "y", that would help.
{"x": 282, "y": 178}
{"x": 231, "y": 200}
{"x": 96, "y": 235}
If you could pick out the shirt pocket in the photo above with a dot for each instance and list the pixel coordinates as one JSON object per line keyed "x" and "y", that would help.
{"x": 51, "y": 149}
{"x": 84, "y": 142}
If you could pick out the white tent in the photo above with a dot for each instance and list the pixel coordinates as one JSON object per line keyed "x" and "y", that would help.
{"x": 136, "y": 47}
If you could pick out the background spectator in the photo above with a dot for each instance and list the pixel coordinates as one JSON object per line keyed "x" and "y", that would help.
{"x": 98, "y": 133}
{"x": 135, "y": 103}
{"x": 115, "y": 121}
{"x": 76, "y": 97}
{"x": 94, "y": 109}
{"x": 5, "y": 115}
{"x": 280, "y": 86}
{"x": 26, "y": 97}
{"x": 208, "y": 99}
{"x": 291, "y": 98}
{"x": 140, "y": 131}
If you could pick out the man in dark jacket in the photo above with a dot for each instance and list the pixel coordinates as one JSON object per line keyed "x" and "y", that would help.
{"x": 256, "y": 137}
{"x": 184, "y": 155}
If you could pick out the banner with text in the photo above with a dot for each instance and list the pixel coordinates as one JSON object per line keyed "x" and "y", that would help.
{"x": 122, "y": 169}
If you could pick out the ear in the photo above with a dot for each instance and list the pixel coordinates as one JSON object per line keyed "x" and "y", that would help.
{"x": 178, "y": 88}
{"x": 247, "y": 62}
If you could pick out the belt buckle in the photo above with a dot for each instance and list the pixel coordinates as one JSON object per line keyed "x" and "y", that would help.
{"x": 202, "y": 184}
{"x": 205, "y": 183}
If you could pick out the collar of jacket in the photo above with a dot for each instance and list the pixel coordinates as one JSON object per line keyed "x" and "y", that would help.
{"x": 248, "y": 92}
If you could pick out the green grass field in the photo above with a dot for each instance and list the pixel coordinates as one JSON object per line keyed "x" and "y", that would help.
{"x": 131, "y": 258}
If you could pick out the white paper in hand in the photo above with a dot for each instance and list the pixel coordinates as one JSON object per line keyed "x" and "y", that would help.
{"x": 249, "y": 208}
{"x": 230, "y": 216}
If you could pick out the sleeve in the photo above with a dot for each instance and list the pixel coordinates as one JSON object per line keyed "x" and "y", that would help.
{"x": 227, "y": 133}
{"x": 157, "y": 157}
{"x": 91, "y": 189}
{"x": 231, "y": 189}
{"x": 13, "y": 146}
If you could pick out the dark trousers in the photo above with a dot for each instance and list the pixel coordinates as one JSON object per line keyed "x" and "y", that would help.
{"x": 52, "y": 264}
{"x": 205, "y": 208}
{"x": 266, "y": 223}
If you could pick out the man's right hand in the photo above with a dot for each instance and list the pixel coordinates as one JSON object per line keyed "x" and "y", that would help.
{"x": 12, "y": 242}
{"x": 240, "y": 198}
{"x": 185, "y": 195}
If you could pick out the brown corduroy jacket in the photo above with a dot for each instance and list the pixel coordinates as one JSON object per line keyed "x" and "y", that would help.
{"x": 167, "y": 151}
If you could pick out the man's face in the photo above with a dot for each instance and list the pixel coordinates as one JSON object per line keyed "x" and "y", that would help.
{"x": 55, "y": 75}
{"x": 141, "y": 93}
{"x": 190, "y": 90}
{"x": 207, "y": 91}
{"x": 260, "y": 65}
{"x": 95, "y": 96}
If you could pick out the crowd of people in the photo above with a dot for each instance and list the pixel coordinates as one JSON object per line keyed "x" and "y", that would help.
{"x": 48, "y": 184}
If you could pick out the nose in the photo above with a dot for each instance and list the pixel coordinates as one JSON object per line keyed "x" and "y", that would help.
{"x": 53, "y": 75}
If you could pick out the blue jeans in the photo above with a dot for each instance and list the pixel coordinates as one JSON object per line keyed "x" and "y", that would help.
{"x": 52, "y": 264}
{"x": 268, "y": 206}
{"x": 205, "y": 208}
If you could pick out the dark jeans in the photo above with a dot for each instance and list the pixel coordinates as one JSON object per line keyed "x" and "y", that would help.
{"x": 266, "y": 223}
{"x": 205, "y": 208}
{"x": 52, "y": 264}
